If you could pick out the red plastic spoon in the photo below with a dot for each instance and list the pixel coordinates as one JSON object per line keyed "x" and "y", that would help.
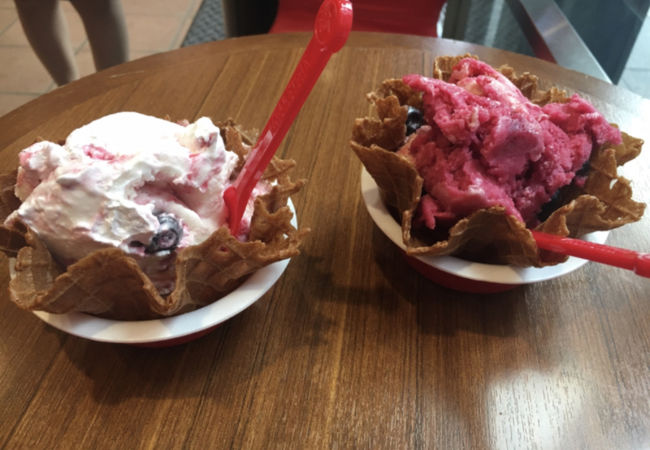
{"x": 614, "y": 256}
{"x": 331, "y": 30}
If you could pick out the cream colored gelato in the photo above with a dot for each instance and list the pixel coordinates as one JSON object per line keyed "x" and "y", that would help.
{"x": 139, "y": 183}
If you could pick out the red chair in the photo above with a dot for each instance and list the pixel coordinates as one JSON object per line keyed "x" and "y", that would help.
{"x": 390, "y": 16}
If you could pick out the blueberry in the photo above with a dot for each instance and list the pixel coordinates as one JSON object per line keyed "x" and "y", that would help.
{"x": 168, "y": 236}
{"x": 414, "y": 120}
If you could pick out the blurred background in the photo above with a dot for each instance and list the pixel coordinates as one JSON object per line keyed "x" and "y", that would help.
{"x": 609, "y": 39}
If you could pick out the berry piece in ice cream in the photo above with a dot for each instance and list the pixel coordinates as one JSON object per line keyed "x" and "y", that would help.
{"x": 167, "y": 236}
{"x": 414, "y": 120}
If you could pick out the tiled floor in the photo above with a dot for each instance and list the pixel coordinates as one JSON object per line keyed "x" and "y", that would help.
{"x": 153, "y": 26}
{"x": 159, "y": 25}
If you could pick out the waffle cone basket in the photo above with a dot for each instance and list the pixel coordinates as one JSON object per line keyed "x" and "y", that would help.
{"x": 489, "y": 235}
{"x": 109, "y": 283}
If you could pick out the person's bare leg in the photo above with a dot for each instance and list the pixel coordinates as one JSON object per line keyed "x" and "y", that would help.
{"x": 106, "y": 30}
{"x": 47, "y": 32}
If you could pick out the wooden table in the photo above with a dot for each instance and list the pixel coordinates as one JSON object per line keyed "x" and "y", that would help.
{"x": 351, "y": 348}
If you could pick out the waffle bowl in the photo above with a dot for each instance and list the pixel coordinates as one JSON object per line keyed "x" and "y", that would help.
{"x": 106, "y": 296}
{"x": 458, "y": 273}
{"x": 491, "y": 237}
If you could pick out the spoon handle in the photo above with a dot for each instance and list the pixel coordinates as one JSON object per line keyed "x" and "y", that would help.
{"x": 331, "y": 30}
{"x": 613, "y": 256}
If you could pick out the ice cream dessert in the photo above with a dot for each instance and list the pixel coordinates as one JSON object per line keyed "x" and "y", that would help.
{"x": 473, "y": 157}
{"x": 144, "y": 194}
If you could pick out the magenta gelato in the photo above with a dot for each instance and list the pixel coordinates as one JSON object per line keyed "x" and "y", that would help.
{"x": 483, "y": 143}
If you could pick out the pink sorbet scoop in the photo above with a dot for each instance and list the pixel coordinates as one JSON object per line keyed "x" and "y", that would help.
{"x": 331, "y": 30}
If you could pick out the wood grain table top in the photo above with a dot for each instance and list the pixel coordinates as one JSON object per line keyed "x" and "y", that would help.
{"x": 351, "y": 348}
